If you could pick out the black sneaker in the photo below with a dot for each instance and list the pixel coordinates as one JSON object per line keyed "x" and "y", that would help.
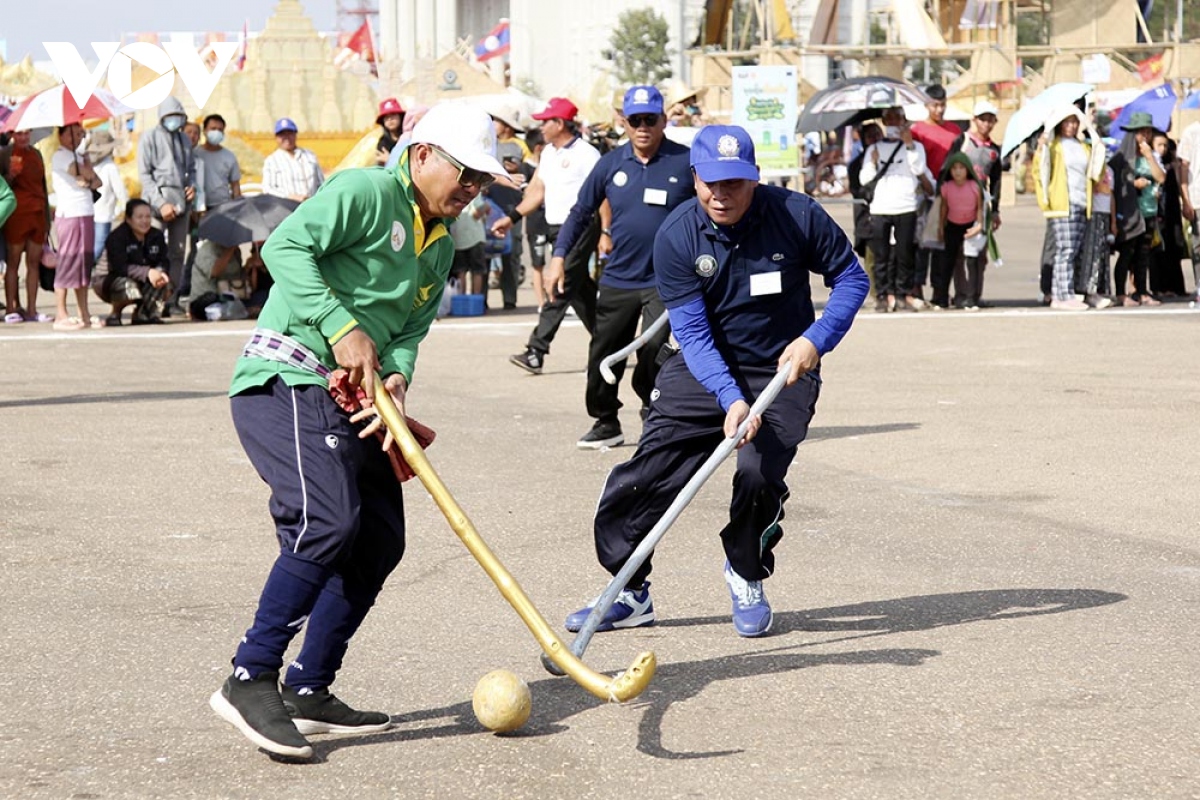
{"x": 601, "y": 436}
{"x": 255, "y": 708}
{"x": 318, "y": 711}
{"x": 530, "y": 361}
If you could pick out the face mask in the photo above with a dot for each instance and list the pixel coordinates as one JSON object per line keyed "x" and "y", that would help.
{"x": 214, "y": 137}
{"x": 892, "y": 131}
{"x": 172, "y": 123}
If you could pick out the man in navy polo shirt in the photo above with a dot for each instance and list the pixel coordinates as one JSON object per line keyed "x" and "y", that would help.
{"x": 733, "y": 270}
{"x": 643, "y": 180}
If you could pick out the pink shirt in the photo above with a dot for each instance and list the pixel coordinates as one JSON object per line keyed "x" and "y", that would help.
{"x": 962, "y": 202}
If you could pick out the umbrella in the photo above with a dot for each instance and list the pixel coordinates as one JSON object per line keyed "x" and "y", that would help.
{"x": 1159, "y": 102}
{"x": 55, "y": 107}
{"x": 853, "y": 100}
{"x": 1029, "y": 118}
{"x": 247, "y": 219}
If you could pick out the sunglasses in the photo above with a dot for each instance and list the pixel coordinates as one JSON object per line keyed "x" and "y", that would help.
{"x": 468, "y": 177}
{"x": 642, "y": 120}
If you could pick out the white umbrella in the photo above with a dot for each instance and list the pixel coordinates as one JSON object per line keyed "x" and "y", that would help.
{"x": 56, "y": 107}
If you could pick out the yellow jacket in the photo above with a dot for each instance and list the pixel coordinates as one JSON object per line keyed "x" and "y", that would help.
{"x": 1050, "y": 180}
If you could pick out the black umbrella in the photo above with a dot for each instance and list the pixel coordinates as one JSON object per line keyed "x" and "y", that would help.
{"x": 247, "y": 219}
{"x": 854, "y": 100}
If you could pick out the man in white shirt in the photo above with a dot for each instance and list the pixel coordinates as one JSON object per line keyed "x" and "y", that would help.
{"x": 1189, "y": 154}
{"x": 896, "y": 165}
{"x": 565, "y": 163}
{"x": 292, "y": 172}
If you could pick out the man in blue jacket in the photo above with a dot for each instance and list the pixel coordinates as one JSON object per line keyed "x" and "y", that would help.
{"x": 733, "y": 270}
{"x": 643, "y": 181}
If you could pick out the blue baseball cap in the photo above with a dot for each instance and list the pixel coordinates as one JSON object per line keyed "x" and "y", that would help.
{"x": 724, "y": 153}
{"x": 642, "y": 100}
{"x": 285, "y": 124}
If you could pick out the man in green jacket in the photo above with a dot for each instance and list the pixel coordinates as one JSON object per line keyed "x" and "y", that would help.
{"x": 359, "y": 270}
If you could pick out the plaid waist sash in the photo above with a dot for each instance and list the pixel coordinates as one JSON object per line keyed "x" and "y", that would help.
{"x": 274, "y": 346}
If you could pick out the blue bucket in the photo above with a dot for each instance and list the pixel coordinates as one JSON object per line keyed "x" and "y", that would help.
{"x": 466, "y": 305}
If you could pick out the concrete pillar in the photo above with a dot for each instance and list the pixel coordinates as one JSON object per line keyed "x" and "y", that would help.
{"x": 521, "y": 54}
{"x": 446, "y": 27}
{"x": 389, "y": 34}
{"x": 426, "y": 28}
{"x": 397, "y": 36}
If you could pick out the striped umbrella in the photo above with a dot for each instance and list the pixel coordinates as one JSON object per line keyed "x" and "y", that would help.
{"x": 55, "y": 107}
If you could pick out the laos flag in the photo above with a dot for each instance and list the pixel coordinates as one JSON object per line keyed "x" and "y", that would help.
{"x": 494, "y": 44}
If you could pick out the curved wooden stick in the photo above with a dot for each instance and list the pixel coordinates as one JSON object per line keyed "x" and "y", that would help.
{"x": 625, "y": 686}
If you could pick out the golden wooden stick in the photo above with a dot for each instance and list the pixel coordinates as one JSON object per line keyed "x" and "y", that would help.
{"x": 625, "y": 686}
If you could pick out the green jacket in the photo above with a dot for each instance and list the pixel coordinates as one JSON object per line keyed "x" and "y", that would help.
{"x": 356, "y": 254}
{"x": 8, "y": 201}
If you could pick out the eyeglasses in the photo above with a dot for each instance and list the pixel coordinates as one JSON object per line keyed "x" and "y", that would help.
{"x": 642, "y": 120}
{"x": 468, "y": 177}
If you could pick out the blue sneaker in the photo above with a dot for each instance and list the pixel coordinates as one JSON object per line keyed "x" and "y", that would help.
{"x": 751, "y": 611}
{"x": 629, "y": 610}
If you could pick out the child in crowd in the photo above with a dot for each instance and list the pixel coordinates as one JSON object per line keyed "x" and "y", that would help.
{"x": 962, "y": 217}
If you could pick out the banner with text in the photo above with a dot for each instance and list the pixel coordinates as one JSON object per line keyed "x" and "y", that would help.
{"x": 764, "y": 103}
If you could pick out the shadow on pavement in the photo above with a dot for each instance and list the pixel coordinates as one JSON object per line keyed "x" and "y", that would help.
{"x": 114, "y": 397}
{"x": 556, "y": 699}
{"x": 820, "y": 433}
{"x": 928, "y": 611}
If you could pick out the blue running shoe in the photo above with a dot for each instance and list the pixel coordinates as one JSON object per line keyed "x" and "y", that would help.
{"x": 751, "y": 611}
{"x": 630, "y": 610}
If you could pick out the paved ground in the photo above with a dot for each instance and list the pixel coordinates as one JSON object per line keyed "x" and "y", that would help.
{"x": 989, "y": 586}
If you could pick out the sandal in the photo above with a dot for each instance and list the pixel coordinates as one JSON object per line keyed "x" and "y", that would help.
{"x": 69, "y": 324}
{"x": 38, "y": 317}
{"x": 97, "y": 323}
{"x": 14, "y": 318}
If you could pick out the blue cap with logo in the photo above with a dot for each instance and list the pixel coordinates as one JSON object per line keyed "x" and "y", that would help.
{"x": 285, "y": 124}
{"x": 642, "y": 100}
{"x": 724, "y": 153}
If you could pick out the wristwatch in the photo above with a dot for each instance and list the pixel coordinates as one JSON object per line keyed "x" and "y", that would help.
{"x": 606, "y": 232}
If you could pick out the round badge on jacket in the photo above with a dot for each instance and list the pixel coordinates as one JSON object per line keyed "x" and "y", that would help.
{"x": 706, "y": 266}
{"x": 620, "y": 179}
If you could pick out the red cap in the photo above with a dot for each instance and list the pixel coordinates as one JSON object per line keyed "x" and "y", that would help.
{"x": 557, "y": 108}
{"x": 389, "y": 106}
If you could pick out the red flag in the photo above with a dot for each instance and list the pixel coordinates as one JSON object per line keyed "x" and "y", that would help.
{"x": 356, "y": 47}
{"x": 241, "y": 59}
{"x": 1151, "y": 69}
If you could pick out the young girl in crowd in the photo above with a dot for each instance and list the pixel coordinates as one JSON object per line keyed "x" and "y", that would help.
{"x": 962, "y": 213}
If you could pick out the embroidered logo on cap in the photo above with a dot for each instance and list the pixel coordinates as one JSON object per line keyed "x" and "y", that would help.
{"x": 727, "y": 146}
{"x": 706, "y": 266}
{"x": 641, "y": 96}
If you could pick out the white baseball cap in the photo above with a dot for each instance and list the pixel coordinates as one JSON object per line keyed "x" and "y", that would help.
{"x": 465, "y": 132}
{"x": 984, "y": 107}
